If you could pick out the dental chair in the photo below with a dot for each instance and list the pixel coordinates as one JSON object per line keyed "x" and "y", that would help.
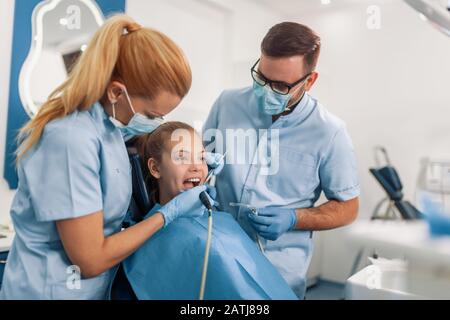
{"x": 389, "y": 180}
{"x": 140, "y": 205}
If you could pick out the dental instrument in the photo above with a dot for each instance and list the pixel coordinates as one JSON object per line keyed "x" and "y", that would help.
{"x": 211, "y": 172}
{"x": 205, "y": 201}
{"x": 254, "y": 210}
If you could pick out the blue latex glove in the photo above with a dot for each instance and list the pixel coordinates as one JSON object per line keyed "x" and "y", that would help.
{"x": 212, "y": 193}
{"x": 438, "y": 220}
{"x": 215, "y": 162}
{"x": 186, "y": 204}
{"x": 271, "y": 223}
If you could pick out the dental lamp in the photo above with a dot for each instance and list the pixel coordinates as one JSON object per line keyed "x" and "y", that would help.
{"x": 436, "y": 12}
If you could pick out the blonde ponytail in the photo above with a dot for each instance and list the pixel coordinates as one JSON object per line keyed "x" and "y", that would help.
{"x": 118, "y": 50}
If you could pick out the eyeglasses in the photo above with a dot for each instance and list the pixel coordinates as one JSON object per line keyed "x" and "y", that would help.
{"x": 276, "y": 86}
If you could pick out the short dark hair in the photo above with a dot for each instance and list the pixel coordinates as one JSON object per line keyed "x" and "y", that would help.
{"x": 288, "y": 39}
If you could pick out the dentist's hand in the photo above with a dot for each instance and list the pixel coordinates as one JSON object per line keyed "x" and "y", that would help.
{"x": 271, "y": 223}
{"x": 215, "y": 161}
{"x": 212, "y": 193}
{"x": 186, "y": 204}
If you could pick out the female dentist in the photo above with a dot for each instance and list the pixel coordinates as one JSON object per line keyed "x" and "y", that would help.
{"x": 74, "y": 172}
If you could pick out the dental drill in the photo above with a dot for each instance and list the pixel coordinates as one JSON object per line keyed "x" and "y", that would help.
{"x": 205, "y": 201}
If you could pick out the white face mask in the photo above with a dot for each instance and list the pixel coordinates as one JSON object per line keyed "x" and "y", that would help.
{"x": 138, "y": 125}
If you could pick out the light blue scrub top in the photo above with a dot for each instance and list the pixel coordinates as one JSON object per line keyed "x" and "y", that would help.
{"x": 315, "y": 155}
{"x": 79, "y": 166}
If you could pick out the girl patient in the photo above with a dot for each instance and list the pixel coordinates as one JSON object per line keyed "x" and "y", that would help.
{"x": 169, "y": 265}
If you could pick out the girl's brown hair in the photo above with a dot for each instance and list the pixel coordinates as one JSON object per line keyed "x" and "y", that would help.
{"x": 145, "y": 60}
{"x": 153, "y": 145}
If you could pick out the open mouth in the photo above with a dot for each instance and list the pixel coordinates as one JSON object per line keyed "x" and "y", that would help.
{"x": 191, "y": 182}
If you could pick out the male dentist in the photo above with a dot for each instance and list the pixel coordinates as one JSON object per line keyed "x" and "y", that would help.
{"x": 296, "y": 149}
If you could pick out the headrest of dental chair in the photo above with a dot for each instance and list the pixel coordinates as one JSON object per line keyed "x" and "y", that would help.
{"x": 141, "y": 203}
{"x": 390, "y": 181}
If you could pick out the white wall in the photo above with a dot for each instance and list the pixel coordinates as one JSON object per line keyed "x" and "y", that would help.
{"x": 391, "y": 87}
{"x": 6, "y": 16}
{"x": 221, "y": 39}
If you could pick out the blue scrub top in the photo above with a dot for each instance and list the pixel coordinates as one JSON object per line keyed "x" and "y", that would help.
{"x": 293, "y": 160}
{"x": 79, "y": 166}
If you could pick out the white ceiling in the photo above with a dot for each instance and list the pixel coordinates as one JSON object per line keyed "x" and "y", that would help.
{"x": 290, "y": 8}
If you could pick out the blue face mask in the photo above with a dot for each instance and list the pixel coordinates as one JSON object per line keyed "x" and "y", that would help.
{"x": 270, "y": 102}
{"x": 138, "y": 125}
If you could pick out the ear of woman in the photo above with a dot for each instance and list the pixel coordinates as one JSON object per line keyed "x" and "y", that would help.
{"x": 116, "y": 104}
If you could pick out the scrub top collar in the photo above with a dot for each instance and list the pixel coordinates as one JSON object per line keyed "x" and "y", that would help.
{"x": 98, "y": 112}
{"x": 292, "y": 108}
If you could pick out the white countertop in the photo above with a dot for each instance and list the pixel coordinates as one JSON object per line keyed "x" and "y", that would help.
{"x": 409, "y": 238}
{"x": 5, "y": 243}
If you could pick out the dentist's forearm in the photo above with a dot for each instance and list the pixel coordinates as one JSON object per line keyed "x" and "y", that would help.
{"x": 119, "y": 246}
{"x": 88, "y": 248}
{"x": 330, "y": 215}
